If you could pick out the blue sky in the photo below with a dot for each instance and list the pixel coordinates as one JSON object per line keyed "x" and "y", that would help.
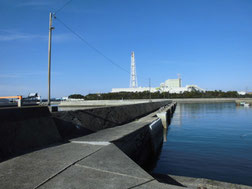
{"x": 209, "y": 42}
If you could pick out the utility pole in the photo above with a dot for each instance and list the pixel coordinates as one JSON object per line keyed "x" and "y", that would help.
{"x": 49, "y": 58}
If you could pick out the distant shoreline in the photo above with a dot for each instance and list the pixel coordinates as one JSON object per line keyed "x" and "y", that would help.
{"x": 212, "y": 100}
{"x": 200, "y": 100}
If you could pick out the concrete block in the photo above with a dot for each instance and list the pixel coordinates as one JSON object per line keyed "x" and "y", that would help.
{"x": 107, "y": 117}
{"x": 112, "y": 159}
{"x": 30, "y": 170}
{"x": 84, "y": 177}
{"x": 24, "y": 129}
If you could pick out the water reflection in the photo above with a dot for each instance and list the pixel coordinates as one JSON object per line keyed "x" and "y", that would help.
{"x": 211, "y": 140}
{"x": 165, "y": 134}
{"x": 176, "y": 120}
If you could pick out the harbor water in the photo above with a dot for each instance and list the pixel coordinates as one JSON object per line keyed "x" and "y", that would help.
{"x": 209, "y": 140}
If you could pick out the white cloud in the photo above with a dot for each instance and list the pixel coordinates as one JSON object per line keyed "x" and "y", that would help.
{"x": 8, "y": 75}
{"x": 26, "y": 74}
{"x": 10, "y": 35}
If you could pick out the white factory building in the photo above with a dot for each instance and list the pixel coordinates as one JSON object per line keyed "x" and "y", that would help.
{"x": 170, "y": 85}
{"x": 175, "y": 86}
{"x": 135, "y": 89}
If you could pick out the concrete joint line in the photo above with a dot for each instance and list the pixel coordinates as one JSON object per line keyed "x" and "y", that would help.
{"x": 98, "y": 143}
{"x": 115, "y": 173}
{"x": 142, "y": 183}
{"x": 65, "y": 168}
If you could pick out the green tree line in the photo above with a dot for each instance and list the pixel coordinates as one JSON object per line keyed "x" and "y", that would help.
{"x": 159, "y": 95}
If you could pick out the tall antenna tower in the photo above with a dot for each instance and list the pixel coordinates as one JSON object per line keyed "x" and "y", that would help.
{"x": 133, "y": 77}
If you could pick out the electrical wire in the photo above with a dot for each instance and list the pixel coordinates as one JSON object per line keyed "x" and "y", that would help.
{"x": 59, "y": 9}
{"x": 90, "y": 45}
{"x": 85, "y": 41}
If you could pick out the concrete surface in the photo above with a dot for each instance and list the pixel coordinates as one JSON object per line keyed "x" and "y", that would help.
{"x": 135, "y": 139}
{"x": 153, "y": 184}
{"x": 110, "y": 159}
{"x": 117, "y": 172}
{"x": 86, "y": 162}
{"x": 74, "y": 166}
{"x": 101, "y": 118}
{"x": 23, "y": 129}
{"x": 129, "y": 138}
{"x": 29, "y": 128}
{"x": 85, "y": 177}
{"x": 90, "y": 103}
{"x": 198, "y": 183}
{"x": 116, "y": 133}
{"x": 33, "y": 169}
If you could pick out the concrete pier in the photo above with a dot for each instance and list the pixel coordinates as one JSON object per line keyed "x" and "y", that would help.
{"x": 108, "y": 158}
{"x": 90, "y": 120}
{"x": 97, "y": 103}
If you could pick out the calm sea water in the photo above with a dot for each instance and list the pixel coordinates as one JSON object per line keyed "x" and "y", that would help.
{"x": 212, "y": 140}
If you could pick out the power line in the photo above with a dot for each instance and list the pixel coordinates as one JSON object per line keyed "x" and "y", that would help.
{"x": 59, "y": 9}
{"x": 85, "y": 41}
{"x": 90, "y": 45}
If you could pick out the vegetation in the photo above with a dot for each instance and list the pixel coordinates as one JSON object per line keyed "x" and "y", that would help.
{"x": 158, "y": 95}
{"x": 76, "y": 96}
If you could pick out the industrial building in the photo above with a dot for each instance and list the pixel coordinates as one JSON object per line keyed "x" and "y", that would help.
{"x": 170, "y": 85}
{"x": 136, "y": 89}
{"x": 175, "y": 86}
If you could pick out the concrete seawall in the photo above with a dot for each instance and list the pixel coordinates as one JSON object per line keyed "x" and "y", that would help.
{"x": 29, "y": 128}
{"x": 91, "y": 103}
{"x": 70, "y": 123}
{"x": 144, "y": 144}
{"x": 23, "y": 129}
{"x": 97, "y": 160}
{"x": 246, "y": 100}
